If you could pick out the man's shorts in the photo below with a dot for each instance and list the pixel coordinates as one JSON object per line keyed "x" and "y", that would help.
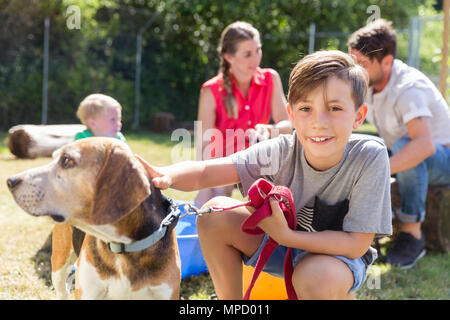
{"x": 275, "y": 264}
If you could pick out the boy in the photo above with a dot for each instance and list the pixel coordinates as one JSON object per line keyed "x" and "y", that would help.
{"x": 340, "y": 186}
{"x": 102, "y": 116}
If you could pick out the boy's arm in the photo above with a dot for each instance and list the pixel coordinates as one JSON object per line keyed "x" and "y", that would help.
{"x": 351, "y": 245}
{"x": 193, "y": 175}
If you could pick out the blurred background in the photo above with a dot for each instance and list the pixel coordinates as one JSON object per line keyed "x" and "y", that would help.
{"x": 153, "y": 56}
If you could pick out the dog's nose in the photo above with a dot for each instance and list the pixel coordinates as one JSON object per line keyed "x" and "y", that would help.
{"x": 13, "y": 182}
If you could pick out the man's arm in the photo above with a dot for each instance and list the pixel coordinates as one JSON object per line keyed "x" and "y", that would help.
{"x": 417, "y": 150}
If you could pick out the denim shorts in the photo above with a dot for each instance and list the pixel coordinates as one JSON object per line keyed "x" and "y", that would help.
{"x": 275, "y": 264}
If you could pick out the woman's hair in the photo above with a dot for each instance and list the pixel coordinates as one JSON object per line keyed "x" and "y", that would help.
{"x": 95, "y": 105}
{"x": 375, "y": 40}
{"x": 316, "y": 68}
{"x": 233, "y": 34}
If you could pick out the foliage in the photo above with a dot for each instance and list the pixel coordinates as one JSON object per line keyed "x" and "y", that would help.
{"x": 179, "y": 48}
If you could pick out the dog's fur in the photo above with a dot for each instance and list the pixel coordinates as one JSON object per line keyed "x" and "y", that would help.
{"x": 99, "y": 187}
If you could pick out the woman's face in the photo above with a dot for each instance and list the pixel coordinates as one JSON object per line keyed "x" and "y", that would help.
{"x": 246, "y": 59}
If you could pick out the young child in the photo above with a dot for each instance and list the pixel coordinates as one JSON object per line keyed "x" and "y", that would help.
{"x": 102, "y": 116}
{"x": 340, "y": 185}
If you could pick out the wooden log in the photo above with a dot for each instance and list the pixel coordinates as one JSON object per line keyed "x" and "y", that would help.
{"x": 31, "y": 141}
{"x": 162, "y": 121}
{"x": 436, "y": 226}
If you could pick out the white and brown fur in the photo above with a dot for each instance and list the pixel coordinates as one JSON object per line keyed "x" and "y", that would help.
{"x": 99, "y": 187}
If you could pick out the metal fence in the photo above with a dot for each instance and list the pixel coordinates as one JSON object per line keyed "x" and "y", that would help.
{"x": 410, "y": 39}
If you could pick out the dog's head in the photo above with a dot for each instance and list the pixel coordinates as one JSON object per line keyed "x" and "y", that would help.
{"x": 94, "y": 180}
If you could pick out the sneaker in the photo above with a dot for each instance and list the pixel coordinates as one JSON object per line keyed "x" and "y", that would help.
{"x": 407, "y": 251}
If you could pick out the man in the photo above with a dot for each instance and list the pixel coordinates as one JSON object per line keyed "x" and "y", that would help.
{"x": 413, "y": 119}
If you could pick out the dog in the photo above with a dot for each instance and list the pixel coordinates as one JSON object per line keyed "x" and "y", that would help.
{"x": 96, "y": 185}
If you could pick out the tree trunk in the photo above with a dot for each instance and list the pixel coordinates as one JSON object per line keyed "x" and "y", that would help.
{"x": 436, "y": 226}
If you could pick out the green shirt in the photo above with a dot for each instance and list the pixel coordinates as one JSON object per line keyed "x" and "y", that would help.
{"x": 87, "y": 133}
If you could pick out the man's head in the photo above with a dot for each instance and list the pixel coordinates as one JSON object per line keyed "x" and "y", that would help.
{"x": 102, "y": 114}
{"x": 326, "y": 102}
{"x": 374, "y": 46}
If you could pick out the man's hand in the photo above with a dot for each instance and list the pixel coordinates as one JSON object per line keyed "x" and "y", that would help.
{"x": 159, "y": 179}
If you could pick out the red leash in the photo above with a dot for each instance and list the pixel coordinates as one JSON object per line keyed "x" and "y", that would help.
{"x": 259, "y": 195}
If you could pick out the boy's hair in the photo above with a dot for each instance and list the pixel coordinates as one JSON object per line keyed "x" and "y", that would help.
{"x": 94, "y": 105}
{"x": 376, "y": 40}
{"x": 316, "y": 68}
{"x": 232, "y": 35}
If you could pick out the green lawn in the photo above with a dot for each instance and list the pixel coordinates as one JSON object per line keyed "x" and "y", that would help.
{"x": 24, "y": 246}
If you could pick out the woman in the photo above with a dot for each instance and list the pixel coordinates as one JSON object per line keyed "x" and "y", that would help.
{"x": 235, "y": 107}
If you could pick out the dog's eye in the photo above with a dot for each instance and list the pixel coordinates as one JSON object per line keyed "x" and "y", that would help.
{"x": 67, "y": 162}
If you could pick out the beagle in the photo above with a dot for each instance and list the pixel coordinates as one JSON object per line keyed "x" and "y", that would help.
{"x": 97, "y": 186}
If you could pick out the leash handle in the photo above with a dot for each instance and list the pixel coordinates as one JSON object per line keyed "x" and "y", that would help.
{"x": 259, "y": 194}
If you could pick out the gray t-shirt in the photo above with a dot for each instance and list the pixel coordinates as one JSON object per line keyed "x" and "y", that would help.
{"x": 408, "y": 94}
{"x": 352, "y": 196}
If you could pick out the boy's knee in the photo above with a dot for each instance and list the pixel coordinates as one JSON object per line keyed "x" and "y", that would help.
{"x": 219, "y": 201}
{"x": 208, "y": 221}
{"x": 321, "y": 277}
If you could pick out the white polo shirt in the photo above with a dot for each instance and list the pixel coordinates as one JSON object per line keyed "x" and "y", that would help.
{"x": 409, "y": 94}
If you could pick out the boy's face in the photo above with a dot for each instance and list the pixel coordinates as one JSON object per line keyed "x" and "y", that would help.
{"x": 323, "y": 127}
{"x": 107, "y": 124}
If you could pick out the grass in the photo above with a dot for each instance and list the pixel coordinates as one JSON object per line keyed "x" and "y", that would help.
{"x": 25, "y": 246}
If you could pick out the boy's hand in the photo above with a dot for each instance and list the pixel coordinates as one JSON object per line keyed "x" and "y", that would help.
{"x": 159, "y": 179}
{"x": 275, "y": 225}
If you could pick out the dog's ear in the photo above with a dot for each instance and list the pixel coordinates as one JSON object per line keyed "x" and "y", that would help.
{"x": 121, "y": 186}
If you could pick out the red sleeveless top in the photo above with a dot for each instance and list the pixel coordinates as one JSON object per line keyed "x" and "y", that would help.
{"x": 230, "y": 135}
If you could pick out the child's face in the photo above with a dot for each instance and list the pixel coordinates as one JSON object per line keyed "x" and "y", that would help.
{"x": 323, "y": 127}
{"x": 107, "y": 124}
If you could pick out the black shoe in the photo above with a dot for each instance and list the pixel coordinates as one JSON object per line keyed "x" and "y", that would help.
{"x": 407, "y": 251}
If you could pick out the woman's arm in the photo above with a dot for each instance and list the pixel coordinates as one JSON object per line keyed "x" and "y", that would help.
{"x": 207, "y": 118}
{"x": 279, "y": 103}
{"x": 278, "y": 111}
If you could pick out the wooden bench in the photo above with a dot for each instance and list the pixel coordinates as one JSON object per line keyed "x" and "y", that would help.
{"x": 436, "y": 226}
{"x": 162, "y": 122}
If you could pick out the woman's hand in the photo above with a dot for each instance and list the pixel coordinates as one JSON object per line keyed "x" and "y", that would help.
{"x": 263, "y": 131}
{"x": 159, "y": 179}
{"x": 275, "y": 225}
